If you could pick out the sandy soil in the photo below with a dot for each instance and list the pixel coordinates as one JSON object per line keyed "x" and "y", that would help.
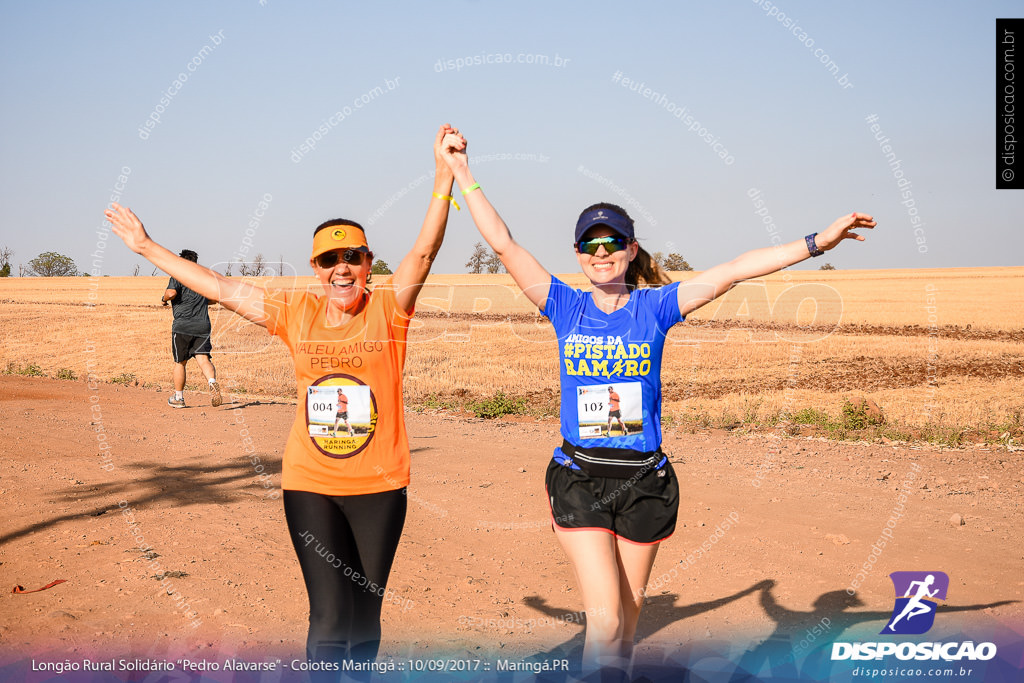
{"x": 479, "y": 573}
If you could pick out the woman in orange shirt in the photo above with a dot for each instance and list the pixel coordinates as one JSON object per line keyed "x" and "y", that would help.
{"x": 344, "y": 497}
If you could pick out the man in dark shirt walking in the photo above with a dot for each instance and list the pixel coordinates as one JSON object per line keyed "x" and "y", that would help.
{"x": 190, "y": 336}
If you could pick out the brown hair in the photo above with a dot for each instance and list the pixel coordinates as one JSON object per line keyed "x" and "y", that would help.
{"x": 643, "y": 269}
{"x": 338, "y": 221}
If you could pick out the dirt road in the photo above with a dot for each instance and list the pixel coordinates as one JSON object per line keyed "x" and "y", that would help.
{"x": 479, "y": 572}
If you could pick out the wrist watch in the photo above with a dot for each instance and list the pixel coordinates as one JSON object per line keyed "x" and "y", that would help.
{"x": 812, "y": 247}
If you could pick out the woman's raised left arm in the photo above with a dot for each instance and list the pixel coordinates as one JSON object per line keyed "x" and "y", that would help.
{"x": 716, "y": 281}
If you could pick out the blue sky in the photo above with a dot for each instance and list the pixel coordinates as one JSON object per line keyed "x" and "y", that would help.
{"x": 78, "y": 81}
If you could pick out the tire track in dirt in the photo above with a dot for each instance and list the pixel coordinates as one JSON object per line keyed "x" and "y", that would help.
{"x": 868, "y": 374}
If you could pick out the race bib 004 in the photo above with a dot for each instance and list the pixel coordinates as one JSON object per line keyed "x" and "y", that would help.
{"x": 341, "y": 415}
{"x": 610, "y": 410}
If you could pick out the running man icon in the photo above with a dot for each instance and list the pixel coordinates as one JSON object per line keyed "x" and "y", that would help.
{"x": 915, "y": 607}
{"x": 918, "y": 599}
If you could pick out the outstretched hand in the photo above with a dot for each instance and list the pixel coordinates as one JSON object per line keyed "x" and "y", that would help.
{"x": 842, "y": 229}
{"x": 450, "y": 148}
{"x": 128, "y": 227}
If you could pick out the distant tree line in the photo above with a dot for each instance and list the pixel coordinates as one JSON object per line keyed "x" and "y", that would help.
{"x": 259, "y": 267}
{"x": 673, "y": 261}
{"x": 52, "y": 264}
{"x": 5, "y": 261}
{"x": 484, "y": 260}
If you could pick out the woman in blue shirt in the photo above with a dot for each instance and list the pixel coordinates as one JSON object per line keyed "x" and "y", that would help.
{"x": 613, "y": 494}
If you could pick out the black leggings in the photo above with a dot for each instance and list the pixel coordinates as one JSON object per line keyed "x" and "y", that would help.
{"x": 346, "y": 545}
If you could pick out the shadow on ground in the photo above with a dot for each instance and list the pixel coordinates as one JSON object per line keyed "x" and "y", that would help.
{"x": 177, "y": 486}
{"x": 797, "y": 635}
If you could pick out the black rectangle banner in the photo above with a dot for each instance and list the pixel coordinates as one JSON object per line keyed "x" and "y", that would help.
{"x": 1009, "y": 33}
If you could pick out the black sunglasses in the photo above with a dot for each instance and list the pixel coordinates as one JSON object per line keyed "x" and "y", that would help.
{"x": 610, "y": 244}
{"x": 353, "y": 257}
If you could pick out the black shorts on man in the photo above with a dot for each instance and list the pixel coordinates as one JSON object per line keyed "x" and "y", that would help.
{"x": 185, "y": 346}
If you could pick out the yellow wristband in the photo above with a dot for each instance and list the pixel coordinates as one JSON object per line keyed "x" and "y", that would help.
{"x": 448, "y": 198}
{"x": 474, "y": 186}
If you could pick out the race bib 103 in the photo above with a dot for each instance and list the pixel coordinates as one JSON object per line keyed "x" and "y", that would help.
{"x": 610, "y": 410}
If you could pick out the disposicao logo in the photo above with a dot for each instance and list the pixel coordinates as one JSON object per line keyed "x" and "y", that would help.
{"x": 917, "y": 596}
{"x": 338, "y": 234}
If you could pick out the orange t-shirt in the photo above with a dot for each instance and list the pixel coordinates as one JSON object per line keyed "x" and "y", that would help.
{"x": 366, "y": 356}
{"x": 613, "y": 401}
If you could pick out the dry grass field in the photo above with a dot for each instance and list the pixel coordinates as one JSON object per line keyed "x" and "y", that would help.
{"x": 939, "y": 350}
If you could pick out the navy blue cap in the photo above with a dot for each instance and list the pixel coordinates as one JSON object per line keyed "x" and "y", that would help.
{"x": 613, "y": 219}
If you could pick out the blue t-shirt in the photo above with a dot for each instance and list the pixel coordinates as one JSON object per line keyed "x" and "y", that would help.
{"x": 610, "y": 366}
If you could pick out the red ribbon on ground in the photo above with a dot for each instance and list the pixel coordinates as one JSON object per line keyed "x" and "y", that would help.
{"x": 21, "y": 589}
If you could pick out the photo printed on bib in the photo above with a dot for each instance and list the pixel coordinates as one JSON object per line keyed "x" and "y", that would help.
{"x": 341, "y": 415}
{"x": 610, "y": 410}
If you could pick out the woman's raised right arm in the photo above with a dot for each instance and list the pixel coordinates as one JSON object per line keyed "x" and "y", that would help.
{"x": 528, "y": 273}
{"x": 235, "y": 295}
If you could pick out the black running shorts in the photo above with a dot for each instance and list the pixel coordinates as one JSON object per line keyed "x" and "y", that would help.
{"x": 184, "y": 346}
{"x": 640, "y": 509}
